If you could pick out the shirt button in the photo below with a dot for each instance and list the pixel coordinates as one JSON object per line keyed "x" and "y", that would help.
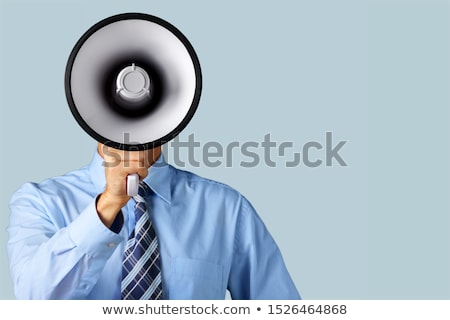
{"x": 111, "y": 245}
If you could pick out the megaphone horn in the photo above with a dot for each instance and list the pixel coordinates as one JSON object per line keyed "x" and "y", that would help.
{"x": 133, "y": 81}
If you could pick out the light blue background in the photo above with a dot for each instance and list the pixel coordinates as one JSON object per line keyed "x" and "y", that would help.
{"x": 375, "y": 73}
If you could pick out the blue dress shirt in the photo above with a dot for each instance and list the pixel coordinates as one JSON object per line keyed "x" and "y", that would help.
{"x": 211, "y": 239}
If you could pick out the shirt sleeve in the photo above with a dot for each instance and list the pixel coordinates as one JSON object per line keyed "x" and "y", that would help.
{"x": 48, "y": 262}
{"x": 258, "y": 270}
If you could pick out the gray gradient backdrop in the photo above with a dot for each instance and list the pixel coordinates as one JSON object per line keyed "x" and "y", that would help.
{"x": 375, "y": 73}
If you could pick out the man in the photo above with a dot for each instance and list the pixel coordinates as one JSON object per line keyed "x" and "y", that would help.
{"x": 68, "y": 235}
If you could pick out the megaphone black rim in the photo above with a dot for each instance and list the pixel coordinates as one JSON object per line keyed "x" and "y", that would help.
{"x": 181, "y": 125}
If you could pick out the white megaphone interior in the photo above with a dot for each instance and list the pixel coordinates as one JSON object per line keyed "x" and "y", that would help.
{"x": 100, "y": 51}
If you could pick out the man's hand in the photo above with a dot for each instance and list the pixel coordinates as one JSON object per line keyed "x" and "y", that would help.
{"x": 118, "y": 165}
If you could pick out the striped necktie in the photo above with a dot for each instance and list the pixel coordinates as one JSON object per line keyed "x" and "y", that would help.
{"x": 141, "y": 267}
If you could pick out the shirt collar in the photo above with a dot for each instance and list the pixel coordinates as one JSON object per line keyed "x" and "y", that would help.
{"x": 158, "y": 179}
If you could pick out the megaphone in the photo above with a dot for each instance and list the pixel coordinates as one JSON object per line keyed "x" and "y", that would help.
{"x": 133, "y": 82}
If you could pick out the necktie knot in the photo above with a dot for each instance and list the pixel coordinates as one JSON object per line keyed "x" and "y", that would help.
{"x": 143, "y": 191}
{"x": 141, "y": 205}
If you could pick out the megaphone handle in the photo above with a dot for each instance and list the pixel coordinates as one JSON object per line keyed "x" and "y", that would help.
{"x": 132, "y": 184}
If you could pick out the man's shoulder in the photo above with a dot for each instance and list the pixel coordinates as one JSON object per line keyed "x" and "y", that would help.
{"x": 191, "y": 181}
{"x": 55, "y": 186}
